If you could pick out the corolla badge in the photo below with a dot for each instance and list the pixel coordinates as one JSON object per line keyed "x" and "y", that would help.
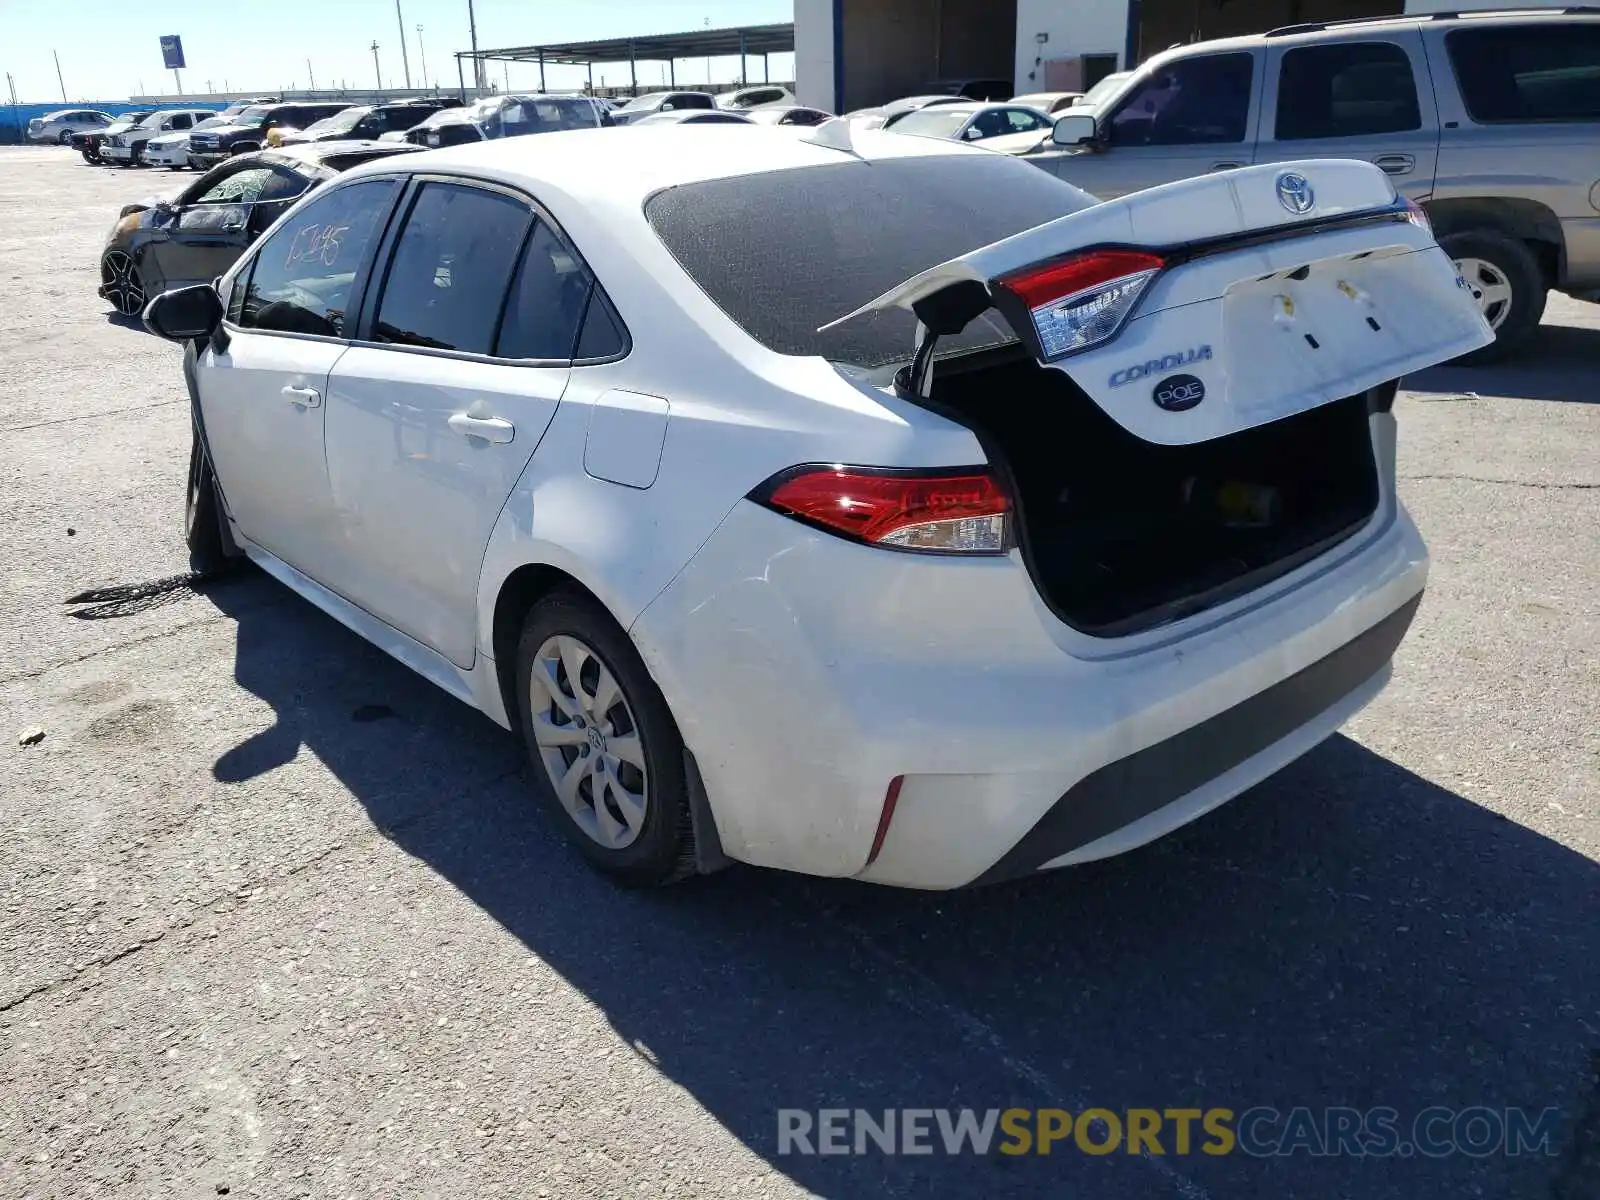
{"x": 1295, "y": 194}
{"x": 1156, "y": 366}
{"x": 1179, "y": 393}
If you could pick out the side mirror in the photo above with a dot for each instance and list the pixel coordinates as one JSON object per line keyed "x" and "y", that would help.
{"x": 184, "y": 314}
{"x": 1074, "y": 130}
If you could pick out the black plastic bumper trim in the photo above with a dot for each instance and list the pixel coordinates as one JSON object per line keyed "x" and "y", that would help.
{"x": 1122, "y": 792}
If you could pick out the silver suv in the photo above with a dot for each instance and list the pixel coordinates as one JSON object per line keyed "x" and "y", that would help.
{"x": 1491, "y": 123}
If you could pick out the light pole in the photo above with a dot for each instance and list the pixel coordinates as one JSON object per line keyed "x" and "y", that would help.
{"x": 423, "y": 50}
{"x": 60, "y": 80}
{"x": 477, "y": 63}
{"x": 376, "y": 69}
{"x": 405, "y": 61}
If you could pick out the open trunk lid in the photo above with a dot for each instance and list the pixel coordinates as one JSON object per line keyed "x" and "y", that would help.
{"x": 1205, "y": 307}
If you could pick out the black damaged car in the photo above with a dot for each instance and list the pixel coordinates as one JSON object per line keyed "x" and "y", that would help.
{"x": 195, "y": 236}
{"x": 88, "y": 143}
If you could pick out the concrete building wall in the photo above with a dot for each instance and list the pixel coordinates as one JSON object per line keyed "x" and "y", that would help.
{"x": 1074, "y": 28}
{"x": 813, "y": 53}
{"x": 893, "y": 47}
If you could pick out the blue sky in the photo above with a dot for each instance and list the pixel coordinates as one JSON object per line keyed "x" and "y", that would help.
{"x": 109, "y": 47}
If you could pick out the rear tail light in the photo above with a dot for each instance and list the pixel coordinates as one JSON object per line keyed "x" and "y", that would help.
{"x": 948, "y": 511}
{"x": 1081, "y": 301}
{"x": 1419, "y": 218}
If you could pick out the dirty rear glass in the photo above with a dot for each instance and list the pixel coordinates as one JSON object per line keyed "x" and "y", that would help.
{"x": 785, "y": 252}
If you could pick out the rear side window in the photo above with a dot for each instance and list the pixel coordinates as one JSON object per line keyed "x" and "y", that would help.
{"x": 603, "y": 335}
{"x": 302, "y": 272}
{"x": 1348, "y": 89}
{"x": 784, "y": 252}
{"x": 546, "y": 302}
{"x": 446, "y": 285}
{"x": 1542, "y": 71}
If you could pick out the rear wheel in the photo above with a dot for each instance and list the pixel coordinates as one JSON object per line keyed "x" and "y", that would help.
{"x": 1507, "y": 284}
{"x": 121, "y": 282}
{"x": 607, "y": 756}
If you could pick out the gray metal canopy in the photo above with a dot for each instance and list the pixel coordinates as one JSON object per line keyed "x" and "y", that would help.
{"x": 658, "y": 47}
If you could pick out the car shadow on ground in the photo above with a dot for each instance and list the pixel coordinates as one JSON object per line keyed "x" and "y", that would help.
{"x": 1559, "y": 364}
{"x": 1346, "y": 934}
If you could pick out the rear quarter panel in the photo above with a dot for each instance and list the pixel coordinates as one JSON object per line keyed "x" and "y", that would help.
{"x": 737, "y": 414}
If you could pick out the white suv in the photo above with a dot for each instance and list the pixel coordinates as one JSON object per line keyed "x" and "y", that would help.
{"x": 127, "y": 148}
{"x": 782, "y": 535}
{"x": 59, "y": 126}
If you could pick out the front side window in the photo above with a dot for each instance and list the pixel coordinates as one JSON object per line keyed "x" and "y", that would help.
{"x": 1020, "y": 120}
{"x": 182, "y": 121}
{"x": 1193, "y": 101}
{"x": 1536, "y": 72}
{"x": 301, "y": 275}
{"x": 1351, "y": 89}
{"x": 447, "y": 283}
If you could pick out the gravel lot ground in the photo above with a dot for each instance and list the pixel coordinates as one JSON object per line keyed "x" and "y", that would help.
{"x": 276, "y": 917}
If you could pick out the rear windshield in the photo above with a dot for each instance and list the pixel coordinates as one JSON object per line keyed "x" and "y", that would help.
{"x": 1541, "y": 71}
{"x": 937, "y": 121}
{"x": 785, "y": 252}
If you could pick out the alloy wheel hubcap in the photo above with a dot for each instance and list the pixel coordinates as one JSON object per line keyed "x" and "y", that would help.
{"x": 122, "y": 285}
{"x": 589, "y": 741}
{"x": 1489, "y": 287}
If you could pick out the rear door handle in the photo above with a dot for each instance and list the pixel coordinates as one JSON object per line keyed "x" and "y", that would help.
{"x": 304, "y": 397}
{"x": 1396, "y": 164}
{"x": 490, "y": 429}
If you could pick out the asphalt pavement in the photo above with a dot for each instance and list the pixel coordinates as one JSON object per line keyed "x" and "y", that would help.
{"x": 278, "y": 919}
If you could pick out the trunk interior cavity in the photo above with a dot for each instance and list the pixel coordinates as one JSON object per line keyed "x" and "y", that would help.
{"x": 1121, "y": 534}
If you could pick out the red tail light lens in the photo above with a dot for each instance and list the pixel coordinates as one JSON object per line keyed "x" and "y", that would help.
{"x": 937, "y": 512}
{"x": 1079, "y": 302}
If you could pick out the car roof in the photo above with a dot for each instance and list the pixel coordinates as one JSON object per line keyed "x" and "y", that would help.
{"x": 317, "y": 153}
{"x": 625, "y": 166}
{"x": 1337, "y": 30}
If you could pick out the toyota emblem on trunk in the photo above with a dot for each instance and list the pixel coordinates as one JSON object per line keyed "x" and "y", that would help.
{"x": 1295, "y": 194}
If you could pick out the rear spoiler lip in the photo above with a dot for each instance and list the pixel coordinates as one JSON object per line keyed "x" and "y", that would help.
{"x": 1175, "y": 254}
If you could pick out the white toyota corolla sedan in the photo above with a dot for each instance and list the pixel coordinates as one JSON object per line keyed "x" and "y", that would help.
{"x": 849, "y": 503}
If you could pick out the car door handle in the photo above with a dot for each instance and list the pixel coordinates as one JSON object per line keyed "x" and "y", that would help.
{"x": 1396, "y": 164}
{"x": 1226, "y": 166}
{"x": 490, "y": 429}
{"x": 304, "y": 397}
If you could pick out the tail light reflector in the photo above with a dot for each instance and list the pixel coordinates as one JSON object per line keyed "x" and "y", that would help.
{"x": 890, "y": 798}
{"x": 953, "y": 511}
{"x": 1418, "y": 217}
{"x": 1081, "y": 301}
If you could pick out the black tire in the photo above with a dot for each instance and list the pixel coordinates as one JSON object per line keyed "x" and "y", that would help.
{"x": 65, "y": 139}
{"x": 662, "y": 850}
{"x": 1516, "y": 264}
{"x": 122, "y": 282}
{"x": 202, "y": 517}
